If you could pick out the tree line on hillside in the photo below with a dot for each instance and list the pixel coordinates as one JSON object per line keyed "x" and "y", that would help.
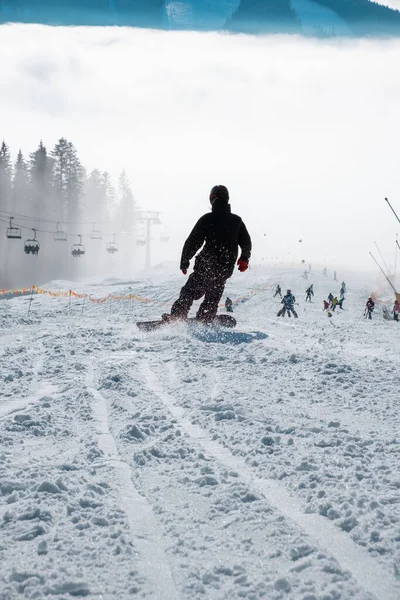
{"x": 49, "y": 188}
{"x": 364, "y": 17}
{"x": 139, "y": 13}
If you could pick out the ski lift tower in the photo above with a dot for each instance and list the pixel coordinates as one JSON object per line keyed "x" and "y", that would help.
{"x": 149, "y": 218}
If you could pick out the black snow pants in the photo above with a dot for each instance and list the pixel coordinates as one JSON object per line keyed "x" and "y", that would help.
{"x": 285, "y": 309}
{"x": 200, "y": 284}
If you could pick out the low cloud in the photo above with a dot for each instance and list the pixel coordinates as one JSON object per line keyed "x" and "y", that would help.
{"x": 304, "y": 133}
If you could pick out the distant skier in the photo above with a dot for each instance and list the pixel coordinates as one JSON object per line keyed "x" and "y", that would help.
{"x": 228, "y": 305}
{"x": 288, "y": 305}
{"x": 334, "y": 276}
{"x": 369, "y": 308}
{"x": 278, "y": 291}
{"x": 221, "y": 232}
{"x": 334, "y": 303}
{"x": 343, "y": 289}
{"x": 310, "y": 292}
{"x": 396, "y": 310}
{"x": 325, "y": 272}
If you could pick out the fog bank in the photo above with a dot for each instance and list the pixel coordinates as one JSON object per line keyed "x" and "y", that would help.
{"x": 304, "y": 133}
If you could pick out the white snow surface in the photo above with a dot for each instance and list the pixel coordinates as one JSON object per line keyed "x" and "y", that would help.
{"x": 190, "y": 463}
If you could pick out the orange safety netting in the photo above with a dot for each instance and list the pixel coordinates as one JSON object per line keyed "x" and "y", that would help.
{"x": 131, "y": 297}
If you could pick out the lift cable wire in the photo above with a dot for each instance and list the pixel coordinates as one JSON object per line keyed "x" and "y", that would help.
{"x": 26, "y": 218}
{"x": 51, "y": 232}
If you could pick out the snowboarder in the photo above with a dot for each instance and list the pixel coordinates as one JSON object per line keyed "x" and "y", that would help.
{"x": 221, "y": 232}
{"x": 310, "y": 292}
{"x": 278, "y": 291}
{"x": 228, "y": 305}
{"x": 396, "y": 310}
{"x": 343, "y": 289}
{"x": 334, "y": 303}
{"x": 288, "y": 305}
{"x": 369, "y": 307}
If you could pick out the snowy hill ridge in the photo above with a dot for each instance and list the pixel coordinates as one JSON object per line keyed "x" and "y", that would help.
{"x": 350, "y": 17}
{"x": 263, "y": 464}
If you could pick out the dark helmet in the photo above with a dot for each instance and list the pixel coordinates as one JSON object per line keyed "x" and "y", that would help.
{"x": 219, "y": 192}
{"x": 289, "y": 292}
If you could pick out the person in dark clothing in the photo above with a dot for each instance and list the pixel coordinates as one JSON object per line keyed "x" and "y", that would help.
{"x": 343, "y": 289}
{"x": 326, "y": 305}
{"x": 396, "y": 310}
{"x": 309, "y": 292}
{"x": 330, "y": 298}
{"x": 278, "y": 291}
{"x": 369, "y": 307}
{"x": 228, "y": 305}
{"x": 288, "y": 305}
{"x": 221, "y": 232}
{"x": 340, "y": 303}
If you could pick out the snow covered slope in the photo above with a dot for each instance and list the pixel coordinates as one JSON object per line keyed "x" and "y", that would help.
{"x": 261, "y": 462}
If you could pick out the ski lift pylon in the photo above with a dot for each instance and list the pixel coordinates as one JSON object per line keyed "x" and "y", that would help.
{"x": 112, "y": 247}
{"x": 78, "y": 250}
{"x": 60, "y": 236}
{"x": 13, "y": 233}
{"x": 32, "y": 245}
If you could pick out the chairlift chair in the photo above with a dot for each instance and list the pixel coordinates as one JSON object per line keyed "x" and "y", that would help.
{"x": 95, "y": 233}
{"x": 60, "y": 236}
{"x": 32, "y": 245}
{"x": 13, "y": 233}
{"x": 112, "y": 247}
{"x": 78, "y": 250}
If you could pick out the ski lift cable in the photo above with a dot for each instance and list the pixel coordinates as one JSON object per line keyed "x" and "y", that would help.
{"x": 26, "y": 218}
{"x": 51, "y": 232}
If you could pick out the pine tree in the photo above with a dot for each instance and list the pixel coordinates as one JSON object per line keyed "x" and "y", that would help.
{"x": 93, "y": 195}
{"x": 75, "y": 179}
{"x": 126, "y": 202}
{"x": 20, "y": 184}
{"x": 40, "y": 175}
{"x": 68, "y": 177}
{"x": 5, "y": 176}
{"x": 108, "y": 195}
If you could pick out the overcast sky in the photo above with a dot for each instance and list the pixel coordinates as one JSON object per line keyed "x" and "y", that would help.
{"x": 305, "y": 134}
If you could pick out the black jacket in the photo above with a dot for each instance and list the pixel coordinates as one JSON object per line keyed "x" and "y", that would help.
{"x": 221, "y": 232}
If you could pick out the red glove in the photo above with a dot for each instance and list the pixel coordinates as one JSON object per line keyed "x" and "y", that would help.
{"x": 184, "y": 271}
{"x": 243, "y": 264}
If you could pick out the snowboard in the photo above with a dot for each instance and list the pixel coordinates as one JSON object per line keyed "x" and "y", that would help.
{"x": 219, "y": 321}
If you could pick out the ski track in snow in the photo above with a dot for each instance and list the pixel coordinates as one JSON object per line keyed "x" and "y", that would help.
{"x": 370, "y": 575}
{"x": 148, "y": 541}
{"x": 258, "y": 463}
